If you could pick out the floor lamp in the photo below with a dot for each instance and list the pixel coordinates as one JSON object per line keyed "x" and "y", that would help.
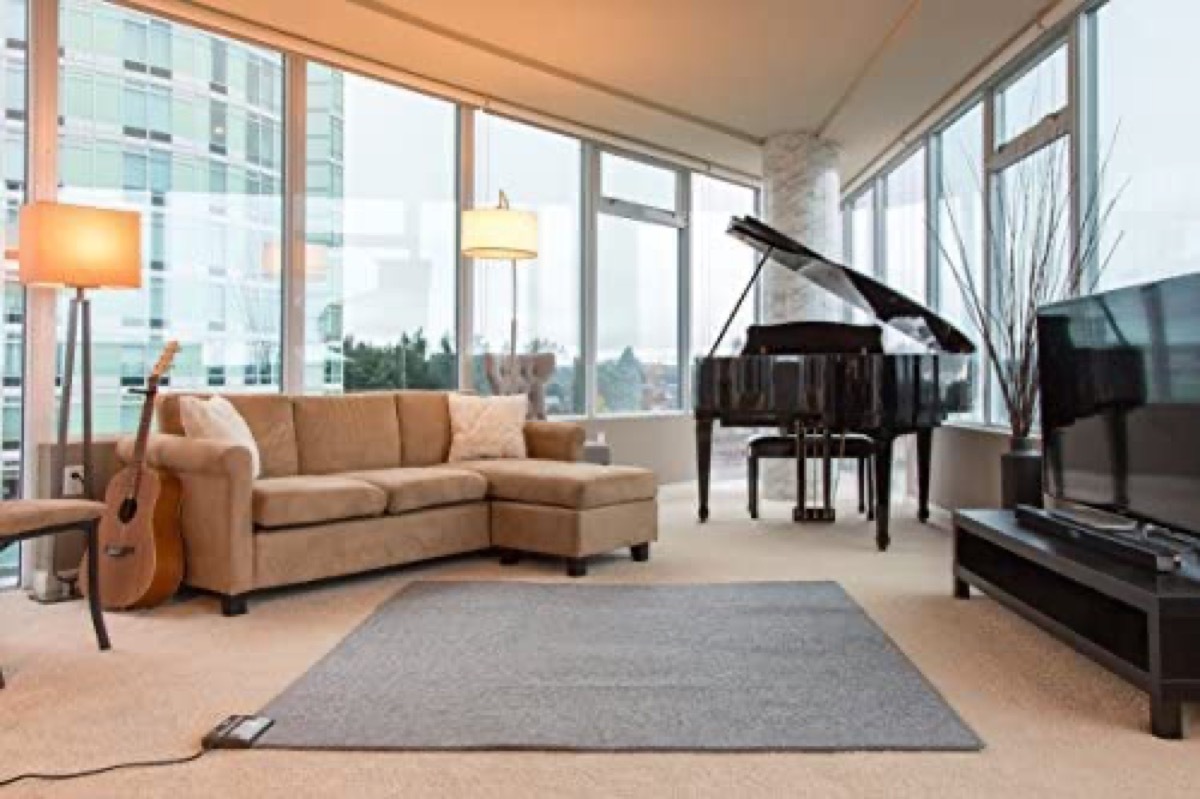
{"x": 80, "y": 248}
{"x": 502, "y": 234}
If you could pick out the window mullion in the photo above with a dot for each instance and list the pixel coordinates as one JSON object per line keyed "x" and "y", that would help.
{"x": 295, "y": 149}
{"x": 465, "y": 328}
{"x": 684, "y": 204}
{"x": 591, "y": 195}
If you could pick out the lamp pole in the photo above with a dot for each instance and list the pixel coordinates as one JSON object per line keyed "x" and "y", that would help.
{"x": 512, "y": 381}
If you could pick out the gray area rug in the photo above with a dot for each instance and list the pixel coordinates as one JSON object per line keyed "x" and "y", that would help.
{"x": 721, "y": 667}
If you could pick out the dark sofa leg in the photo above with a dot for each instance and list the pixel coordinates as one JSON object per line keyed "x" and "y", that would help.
{"x": 640, "y": 552}
{"x": 233, "y": 605}
{"x": 509, "y": 557}
{"x": 576, "y": 567}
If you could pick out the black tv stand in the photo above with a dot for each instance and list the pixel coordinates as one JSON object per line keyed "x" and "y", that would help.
{"x": 1142, "y": 625}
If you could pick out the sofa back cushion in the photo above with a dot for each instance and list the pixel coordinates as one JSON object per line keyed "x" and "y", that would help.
{"x": 351, "y": 432}
{"x": 269, "y": 417}
{"x": 424, "y": 427}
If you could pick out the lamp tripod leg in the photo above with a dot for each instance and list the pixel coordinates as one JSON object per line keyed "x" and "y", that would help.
{"x": 59, "y": 461}
{"x": 88, "y": 479}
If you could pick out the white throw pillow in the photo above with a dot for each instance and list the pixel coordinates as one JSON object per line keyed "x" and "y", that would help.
{"x": 487, "y": 427}
{"x": 216, "y": 418}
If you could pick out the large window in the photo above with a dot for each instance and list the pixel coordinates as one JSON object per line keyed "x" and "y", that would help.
{"x": 542, "y": 172}
{"x": 12, "y": 164}
{"x": 905, "y": 226}
{"x": 637, "y": 304}
{"x": 381, "y": 220}
{"x": 860, "y": 238}
{"x": 721, "y": 265}
{"x": 1146, "y": 139}
{"x": 961, "y": 228}
{"x": 140, "y": 131}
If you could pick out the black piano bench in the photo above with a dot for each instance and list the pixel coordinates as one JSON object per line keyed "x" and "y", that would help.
{"x": 852, "y": 445}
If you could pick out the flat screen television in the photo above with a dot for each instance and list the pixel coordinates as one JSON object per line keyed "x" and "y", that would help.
{"x": 1120, "y": 401}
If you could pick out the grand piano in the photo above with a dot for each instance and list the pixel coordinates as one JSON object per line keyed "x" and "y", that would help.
{"x": 900, "y": 371}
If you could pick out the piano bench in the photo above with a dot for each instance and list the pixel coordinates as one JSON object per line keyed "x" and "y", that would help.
{"x": 853, "y": 446}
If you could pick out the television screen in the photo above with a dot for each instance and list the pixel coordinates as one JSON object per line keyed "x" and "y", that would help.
{"x": 1120, "y": 393}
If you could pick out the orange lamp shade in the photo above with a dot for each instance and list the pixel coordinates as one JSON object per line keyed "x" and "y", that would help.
{"x": 80, "y": 247}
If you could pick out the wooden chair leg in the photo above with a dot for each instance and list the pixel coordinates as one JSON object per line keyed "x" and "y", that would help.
{"x": 752, "y": 485}
{"x": 94, "y": 588}
{"x": 871, "y": 488}
{"x": 862, "y": 488}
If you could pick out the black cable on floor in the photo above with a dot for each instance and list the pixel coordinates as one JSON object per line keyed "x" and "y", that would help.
{"x": 71, "y": 775}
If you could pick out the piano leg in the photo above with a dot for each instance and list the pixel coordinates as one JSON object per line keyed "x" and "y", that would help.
{"x": 883, "y": 490}
{"x": 827, "y": 471}
{"x": 704, "y": 429}
{"x": 924, "y": 456}
{"x": 801, "y": 476}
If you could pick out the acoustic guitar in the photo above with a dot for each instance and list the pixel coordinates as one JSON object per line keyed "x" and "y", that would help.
{"x": 140, "y": 546}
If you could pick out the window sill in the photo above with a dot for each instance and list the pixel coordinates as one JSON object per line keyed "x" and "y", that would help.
{"x": 983, "y": 428}
{"x": 634, "y": 416}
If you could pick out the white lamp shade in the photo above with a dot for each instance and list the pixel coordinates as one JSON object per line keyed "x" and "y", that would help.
{"x": 499, "y": 233}
{"x": 80, "y": 247}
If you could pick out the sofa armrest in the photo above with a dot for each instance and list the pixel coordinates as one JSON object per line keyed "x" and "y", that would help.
{"x": 181, "y": 455}
{"x": 215, "y": 515}
{"x": 554, "y": 441}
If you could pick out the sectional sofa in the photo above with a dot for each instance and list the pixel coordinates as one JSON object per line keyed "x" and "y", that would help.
{"x": 357, "y": 482}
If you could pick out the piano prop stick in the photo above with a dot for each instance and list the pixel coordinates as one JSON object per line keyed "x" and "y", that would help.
{"x": 903, "y": 373}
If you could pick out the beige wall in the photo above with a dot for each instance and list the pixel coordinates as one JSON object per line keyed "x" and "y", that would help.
{"x": 63, "y": 552}
{"x": 966, "y": 467}
{"x": 664, "y": 444}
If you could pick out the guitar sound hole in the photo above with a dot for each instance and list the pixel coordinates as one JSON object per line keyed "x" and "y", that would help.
{"x": 129, "y": 508}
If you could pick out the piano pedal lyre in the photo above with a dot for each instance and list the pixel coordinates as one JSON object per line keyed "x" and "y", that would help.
{"x": 814, "y": 514}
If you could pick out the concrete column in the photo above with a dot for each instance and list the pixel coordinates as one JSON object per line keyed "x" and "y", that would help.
{"x": 803, "y": 199}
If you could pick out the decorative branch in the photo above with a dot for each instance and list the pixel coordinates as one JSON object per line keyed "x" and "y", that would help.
{"x": 1039, "y": 259}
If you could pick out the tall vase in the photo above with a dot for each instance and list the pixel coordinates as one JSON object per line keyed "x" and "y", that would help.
{"x": 1021, "y": 474}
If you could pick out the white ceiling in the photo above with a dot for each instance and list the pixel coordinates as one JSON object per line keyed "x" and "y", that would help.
{"x": 711, "y": 78}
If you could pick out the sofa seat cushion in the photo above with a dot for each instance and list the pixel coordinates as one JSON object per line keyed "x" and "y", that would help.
{"x": 565, "y": 485}
{"x": 410, "y": 489}
{"x": 294, "y": 501}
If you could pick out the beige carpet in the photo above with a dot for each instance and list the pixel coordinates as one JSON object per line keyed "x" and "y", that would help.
{"x": 1054, "y": 723}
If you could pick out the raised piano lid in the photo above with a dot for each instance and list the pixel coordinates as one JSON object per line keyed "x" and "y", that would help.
{"x": 889, "y": 306}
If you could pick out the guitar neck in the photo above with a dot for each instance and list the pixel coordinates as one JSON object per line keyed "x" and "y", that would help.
{"x": 143, "y": 434}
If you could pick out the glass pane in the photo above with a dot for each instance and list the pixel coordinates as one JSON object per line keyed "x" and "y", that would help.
{"x": 961, "y": 229}
{"x": 1032, "y": 223}
{"x": 1147, "y": 134}
{"x": 1030, "y": 98}
{"x": 381, "y": 217}
{"x": 721, "y": 268}
{"x": 862, "y": 233}
{"x": 541, "y": 172}
{"x": 637, "y": 182}
{"x": 905, "y": 231}
{"x": 721, "y": 265}
{"x": 197, "y": 243}
{"x": 12, "y": 297}
{"x": 637, "y": 357}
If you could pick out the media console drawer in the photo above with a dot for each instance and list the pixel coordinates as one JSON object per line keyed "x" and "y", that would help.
{"x": 1142, "y": 625}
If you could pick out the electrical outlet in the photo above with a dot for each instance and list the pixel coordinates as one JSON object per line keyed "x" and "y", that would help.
{"x": 73, "y": 480}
